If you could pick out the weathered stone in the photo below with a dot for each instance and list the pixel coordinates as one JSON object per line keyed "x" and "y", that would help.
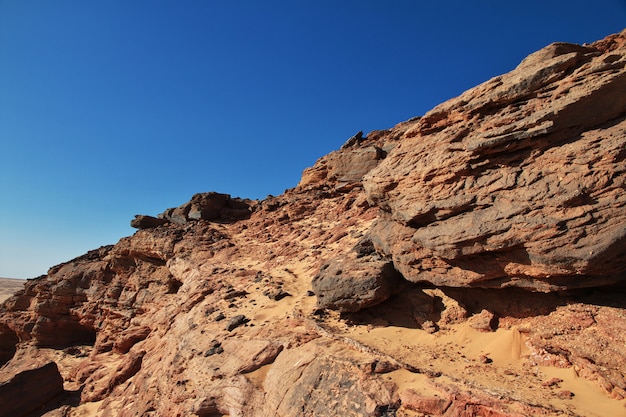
{"x": 344, "y": 169}
{"x": 210, "y": 206}
{"x": 485, "y": 196}
{"x": 350, "y": 283}
{"x": 103, "y": 382}
{"x": 552, "y": 382}
{"x": 276, "y": 294}
{"x": 356, "y": 139}
{"x": 310, "y": 379}
{"x": 129, "y": 337}
{"x": 429, "y": 405}
{"x": 383, "y": 367}
{"x": 517, "y": 182}
{"x": 238, "y": 320}
{"x": 253, "y": 354}
{"x": 485, "y": 321}
{"x": 30, "y": 390}
{"x": 214, "y": 349}
{"x": 147, "y": 222}
{"x": 565, "y": 395}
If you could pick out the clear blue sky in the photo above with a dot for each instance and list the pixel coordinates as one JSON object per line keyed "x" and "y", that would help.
{"x": 114, "y": 108}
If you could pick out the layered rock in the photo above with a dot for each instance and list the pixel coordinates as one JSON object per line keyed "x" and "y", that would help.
{"x": 344, "y": 169}
{"x": 304, "y": 303}
{"x": 519, "y": 181}
{"x": 209, "y": 206}
{"x": 202, "y": 206}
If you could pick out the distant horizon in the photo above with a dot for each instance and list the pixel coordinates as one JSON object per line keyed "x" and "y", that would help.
{"x": 108, "y": 110}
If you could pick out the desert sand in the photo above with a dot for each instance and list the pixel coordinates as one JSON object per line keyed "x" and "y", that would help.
{"x": 8, "y": 287}
{"x": 456, "y": 357}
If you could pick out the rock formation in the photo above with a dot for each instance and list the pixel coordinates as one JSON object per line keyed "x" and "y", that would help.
{"x": 350, "y": 282}
{"x": 29, "y": 390}
{"x": 468, "y": 262}
{"x": 517, "y": 182}
{"x": 202, "y": 206}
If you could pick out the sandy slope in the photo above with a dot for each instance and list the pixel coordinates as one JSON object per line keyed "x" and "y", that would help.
{"x": 456, "y": 359}
{"x": 8, "y": 286}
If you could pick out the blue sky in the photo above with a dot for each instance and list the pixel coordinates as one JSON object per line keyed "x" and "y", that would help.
{"x": 114, "y": 108}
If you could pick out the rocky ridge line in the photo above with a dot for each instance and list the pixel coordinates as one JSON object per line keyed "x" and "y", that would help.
{"x": 307, "y": 303}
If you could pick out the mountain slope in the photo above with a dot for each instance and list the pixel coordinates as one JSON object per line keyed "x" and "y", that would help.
{"x": 468, "y": 262}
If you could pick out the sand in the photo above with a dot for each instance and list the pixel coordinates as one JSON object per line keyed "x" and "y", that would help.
{"x": 457, "y": 355}
{"x": 8, "y": 286}
{"x": 496, "y": 363}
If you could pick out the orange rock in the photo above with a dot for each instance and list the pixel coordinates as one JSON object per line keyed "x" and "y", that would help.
{"x": 418, "y": 235}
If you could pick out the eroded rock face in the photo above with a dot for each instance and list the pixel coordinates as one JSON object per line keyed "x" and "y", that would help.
{"x": 8, "y": 344}
{"x": 202, "y": 206}
{"x": 346, "y": 168}
{"x": 313, "y": 388}
{"x": 299, "y": 304}
{"x": 519, "y": 181}
{"x": 209, "y": 206}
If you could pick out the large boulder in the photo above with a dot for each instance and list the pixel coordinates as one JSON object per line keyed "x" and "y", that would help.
{"x": 519, "y": 181}
{"x": 349, "y": 283}
{"x": 29, "y": 391}
{"x": 210, "y": 206}
{"x": 344, "y": 169}
{"x": 147, "y": 222}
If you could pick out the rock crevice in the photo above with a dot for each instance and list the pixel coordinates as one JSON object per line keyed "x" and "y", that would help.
{"x": 531, "y": 161}
{"x": 443, "y": 266}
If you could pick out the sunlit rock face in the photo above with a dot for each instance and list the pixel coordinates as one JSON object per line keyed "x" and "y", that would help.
{"x": 432, "y": 268}
{"x": 517, "y": 182}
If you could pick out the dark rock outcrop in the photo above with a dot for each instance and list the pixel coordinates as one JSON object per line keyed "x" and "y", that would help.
{"x": 147, "y": 222}
{"x": 29, "y": 391}
{"x": 209, "y": 206}
{"x": 518, "y": 182}
{"x": 350, "y": 283}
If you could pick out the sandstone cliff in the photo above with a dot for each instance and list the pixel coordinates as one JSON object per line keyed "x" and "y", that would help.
{"x": 467, "y": 262}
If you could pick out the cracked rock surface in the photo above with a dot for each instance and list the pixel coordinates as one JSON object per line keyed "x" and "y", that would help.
{"x": 468, "y": 262}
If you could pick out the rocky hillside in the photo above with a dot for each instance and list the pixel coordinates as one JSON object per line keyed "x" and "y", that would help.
{"x": 469, "y": 262}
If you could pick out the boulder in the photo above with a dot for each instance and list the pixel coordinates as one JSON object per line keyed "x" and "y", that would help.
{"x": 29, "y": 391}
{"x": 518, "y": 182}
{"x": 147, "y": 222}
{"x": 349, "y": 283}
{"x": 344, "y": 169}
{"x": 210, "y": 206}
{"x": 427, "y": 404}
